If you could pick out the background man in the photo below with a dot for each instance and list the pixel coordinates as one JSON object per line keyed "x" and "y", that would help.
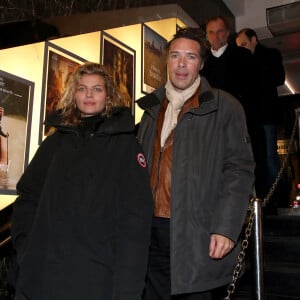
{"x": 230, "y": 68}
{"x": 269, "y": 74}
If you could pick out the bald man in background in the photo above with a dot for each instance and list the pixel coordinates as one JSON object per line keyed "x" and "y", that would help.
{"x": 269, "y": 74}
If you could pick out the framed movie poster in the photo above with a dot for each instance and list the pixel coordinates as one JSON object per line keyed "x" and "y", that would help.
{"x": 16, "y": 100}
{"x": 154, "y": 70}
{"x": 119, "y": 61}
{"x": 59, "y": 64}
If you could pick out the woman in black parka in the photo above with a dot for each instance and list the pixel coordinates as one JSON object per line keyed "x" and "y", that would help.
{"x": 81, "y": 221}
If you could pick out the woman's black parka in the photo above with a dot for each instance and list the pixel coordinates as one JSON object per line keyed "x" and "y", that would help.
{"x": 81, "y": 222}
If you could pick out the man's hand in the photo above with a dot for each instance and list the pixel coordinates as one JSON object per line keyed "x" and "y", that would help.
{"x": 219, "y": 246}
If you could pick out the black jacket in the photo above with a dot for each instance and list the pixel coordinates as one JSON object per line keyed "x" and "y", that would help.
{"x": 269, "y": 75}
{"x": 81, "y": 222}
{"x": 233, "y": 72}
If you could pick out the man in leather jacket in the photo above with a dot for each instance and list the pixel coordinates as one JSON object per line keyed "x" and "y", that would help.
{"x": 202, "y": 172}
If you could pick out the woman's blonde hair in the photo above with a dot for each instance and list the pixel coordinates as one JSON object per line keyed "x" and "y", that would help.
{"x": 70, "y": 113}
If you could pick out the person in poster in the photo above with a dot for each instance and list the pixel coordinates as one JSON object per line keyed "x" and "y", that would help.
{"x": 119, "y": 62}
{"x": 59, "y": 70}
{"x": 155, "y": 72}
{"x": 15, "y": 101}
{"x": 3, "y": 142}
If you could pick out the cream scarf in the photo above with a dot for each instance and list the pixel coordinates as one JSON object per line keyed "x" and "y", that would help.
{"x": 176, "y": 99}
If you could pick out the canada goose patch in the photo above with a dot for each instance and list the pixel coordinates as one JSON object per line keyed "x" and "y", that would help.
{"x": 142, "y": 160}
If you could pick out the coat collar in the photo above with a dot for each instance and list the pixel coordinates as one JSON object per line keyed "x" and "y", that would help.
{"x": 120, "y": 121}
{"x": 207, "y": 99}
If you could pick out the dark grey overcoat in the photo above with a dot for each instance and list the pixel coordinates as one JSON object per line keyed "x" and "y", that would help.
{"x": 212, "y": 181}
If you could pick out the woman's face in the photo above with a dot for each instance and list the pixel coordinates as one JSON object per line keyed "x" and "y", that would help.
{"x": 90, "y": 95}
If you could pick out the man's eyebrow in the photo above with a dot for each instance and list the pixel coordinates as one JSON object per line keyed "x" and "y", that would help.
{"x": 181, "y": 51}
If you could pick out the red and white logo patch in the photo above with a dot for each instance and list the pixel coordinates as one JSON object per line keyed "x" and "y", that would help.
{"x": 141, "y": 160}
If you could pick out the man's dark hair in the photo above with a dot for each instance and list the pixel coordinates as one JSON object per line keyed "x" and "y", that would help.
{"x": 248, "y": 32}
{"x": 215, "y": 18}
{"x": 195, "y": 34}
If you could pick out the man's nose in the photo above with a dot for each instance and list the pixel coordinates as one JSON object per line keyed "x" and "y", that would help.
{"x": 182, "y": 61}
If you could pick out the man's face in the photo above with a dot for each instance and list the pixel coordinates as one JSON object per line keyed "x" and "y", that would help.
{"x": 243, "y": 41}
{"x": 217, "y": 34}
{"x": 184, "y": 63}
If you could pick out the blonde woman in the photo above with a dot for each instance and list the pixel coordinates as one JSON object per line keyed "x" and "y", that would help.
{"x": 81, "y": 222}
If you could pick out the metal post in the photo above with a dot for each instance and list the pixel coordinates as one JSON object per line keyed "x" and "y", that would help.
{"x": 258, "y": 251}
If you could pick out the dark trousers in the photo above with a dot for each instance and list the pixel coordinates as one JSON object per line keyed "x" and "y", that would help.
{"x": 158, "y": 282}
